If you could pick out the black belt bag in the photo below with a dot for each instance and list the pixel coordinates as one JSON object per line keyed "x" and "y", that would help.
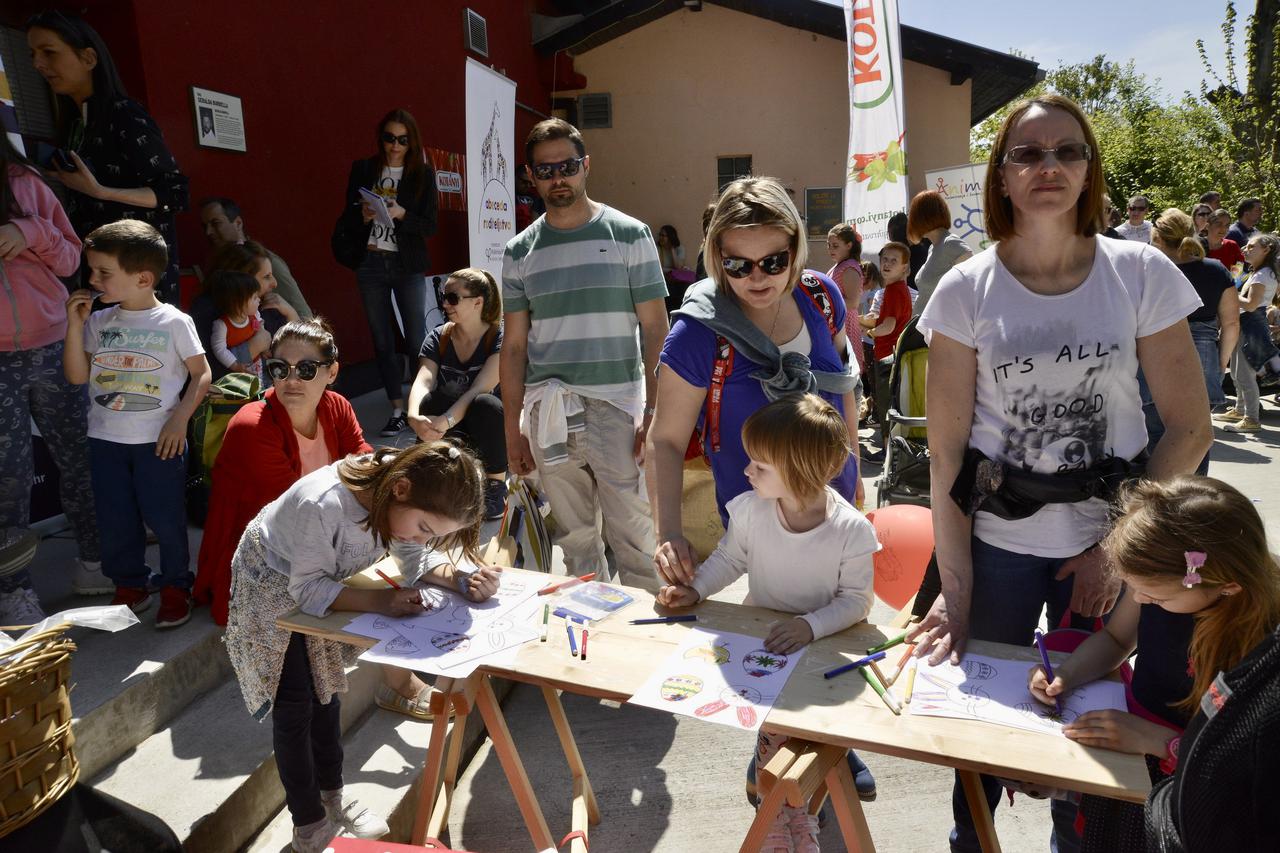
{"x": 1012, "y": 493}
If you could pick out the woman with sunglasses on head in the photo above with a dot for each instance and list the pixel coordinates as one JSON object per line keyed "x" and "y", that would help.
{"x": 453, "y": 392}
{"x": 105, "y": 136}
{"x": 1034, "y": 410}
{"x": 1200, "y": 219}
{"x": 389, "y": 256}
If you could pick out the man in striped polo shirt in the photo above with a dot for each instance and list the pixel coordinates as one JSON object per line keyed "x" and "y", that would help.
{"x": 577, "y": 286}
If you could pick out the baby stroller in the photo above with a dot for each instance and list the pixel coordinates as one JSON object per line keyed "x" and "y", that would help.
{"x": 905, "y": 478}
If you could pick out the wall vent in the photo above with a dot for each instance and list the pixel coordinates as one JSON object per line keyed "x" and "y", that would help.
{"x": 595, "y": 111}
{"x": 477, "y": 33}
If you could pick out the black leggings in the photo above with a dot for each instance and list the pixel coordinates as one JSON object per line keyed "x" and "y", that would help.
{"x": 481, "y": 428}
{"x": 307, "y": 737}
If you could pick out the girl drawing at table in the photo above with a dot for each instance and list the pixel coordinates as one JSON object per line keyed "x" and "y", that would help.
{"x": 327, "y": 526}
{"x": 1201, "y": 591}
{"x": 804, "y": 549}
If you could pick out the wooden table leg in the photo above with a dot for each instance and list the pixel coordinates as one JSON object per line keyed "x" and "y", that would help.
{"x": 517, "y": 778}
{"x": 848, "y": 808}
{"x": 768, "y": 809}
{"x": 983, "y": 823}
{"x": 436, "y": 760}
{"x": 571, "y": 754}
{"x": 453, "y": 758}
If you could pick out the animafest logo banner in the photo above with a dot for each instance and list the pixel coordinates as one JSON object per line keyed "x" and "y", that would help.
{"x": 491, "y": 162}
{"x": 876, "y": 182}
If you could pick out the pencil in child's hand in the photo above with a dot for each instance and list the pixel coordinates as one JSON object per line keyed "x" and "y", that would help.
{"x": 389, "y": 581}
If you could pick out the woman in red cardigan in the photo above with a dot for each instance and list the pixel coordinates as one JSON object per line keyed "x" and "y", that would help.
{"x": 301, "y": 426}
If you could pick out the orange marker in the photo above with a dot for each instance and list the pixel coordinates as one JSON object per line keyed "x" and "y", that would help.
{"x": 392, "y": 583}
{"x": 555, "y": 587}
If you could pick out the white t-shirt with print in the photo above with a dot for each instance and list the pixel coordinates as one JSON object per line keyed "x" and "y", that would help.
{"x": 1057, "y": 386}
{"x": 1140, "y": 233}
{"x": 1265, "y": 279}
{"x": 388, "y": 186}
{"x": 137, "y": 367}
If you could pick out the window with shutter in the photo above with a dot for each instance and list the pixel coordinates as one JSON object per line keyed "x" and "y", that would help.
{"x": 477, "y": 33}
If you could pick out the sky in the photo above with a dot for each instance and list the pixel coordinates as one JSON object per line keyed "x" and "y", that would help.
{"x": 1159, "y": 36}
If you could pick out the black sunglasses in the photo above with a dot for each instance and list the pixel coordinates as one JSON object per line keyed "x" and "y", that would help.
{"x": 566, "y": 168}
{"x": 769, "y": 264}
{"x": 1033, "y": 155}
{"x": 391, "y": 139}
{"x": 279, "y": 369}
{"x": 453, "y": 297}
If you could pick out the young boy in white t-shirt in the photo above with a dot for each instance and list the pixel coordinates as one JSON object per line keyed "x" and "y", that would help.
{"x": 136, "y": 354}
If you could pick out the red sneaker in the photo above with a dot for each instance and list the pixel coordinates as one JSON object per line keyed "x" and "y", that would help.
{"x": 175, "y": 607}
{"x": 135, "y": 598}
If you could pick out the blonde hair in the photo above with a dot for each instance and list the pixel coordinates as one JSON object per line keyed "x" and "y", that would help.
{"x": 1177, "y": 231}
{"x": 749, "y": 202}
{"x": 804, "y": 437}
{"x": 1159, "y": 522}
{"x": 482, "y": 283}
{"x": 444, "y": 479}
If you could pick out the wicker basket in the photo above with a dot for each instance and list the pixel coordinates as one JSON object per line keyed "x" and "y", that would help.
{"x": 37, "y": 763}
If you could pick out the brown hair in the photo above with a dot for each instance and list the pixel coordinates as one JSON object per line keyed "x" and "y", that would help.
{"x": 415, "y": 162}
{"x": 1220, "y": 215}
{"x": 929, "y": 210}
{"x": 482, "y": 283}
{"x": 549, "y": 130}
{"x": 847, "y": 234}
{"x": 1158, "y": 522}
{"x": 748, "y": 202}
{"x": 135, "y": 245}
{"x": 243, "y": 257}
{"x": 1176, "y": 230}
{"x": 443, "y": 478}
{"x": 316, "y": 331}
{"x": 903, "y": 250}
{"x": 804, "y": 437}
{"x": 871, "y": 272}
{"x": 231, "y": 291}
{"x": 707, "y": 213}
{"x": 999, "y": 210}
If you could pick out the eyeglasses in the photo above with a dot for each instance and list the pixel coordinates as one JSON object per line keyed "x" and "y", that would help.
{"x": 1137, "y": 207}
{"x": 453, "y": 297}
{"x": 279, "y": 369}
{"x": 566, "y": 168}
{"x": 392, "y": 139}
{"x": 769, "y": 264}
{"x": 1033, "y": 155}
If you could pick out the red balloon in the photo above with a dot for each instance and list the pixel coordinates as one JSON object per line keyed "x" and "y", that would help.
{"x": 905, "y": 532}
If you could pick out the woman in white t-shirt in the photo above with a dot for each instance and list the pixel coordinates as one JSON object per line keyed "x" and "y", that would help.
{"x": 1255, "y": 351}
{"x": 1035, "y": 346}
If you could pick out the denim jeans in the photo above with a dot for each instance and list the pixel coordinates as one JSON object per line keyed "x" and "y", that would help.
{"x": 1009, "y": 591}
{"x": 1205, "y": 335}
{"x": 380, "y": 276}
{"x": 1255, "y": 338}
{"x": 132, "y": 485}
{"x": 1155, "y": 426}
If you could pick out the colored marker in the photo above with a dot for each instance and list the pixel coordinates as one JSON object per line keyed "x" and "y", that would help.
{"x": 584, "y": 643}
{"x": 902, "y": 663}
{"x": 875, "y": 667}
{"x": 911, "y": 681}
{"x": 571, "y": 582}
{"x": 573, "y": 647}
{"x": 888, "y": 644}
{"x": 667, "y": 620}
{"x": 546, "y": 613}
{"x": 392, "y": 583}
{"x": 840, "y": 670}
{"x": 566, "y": 613}
{"x": 1048, "y": 667}
{"x": 889, "y": 699}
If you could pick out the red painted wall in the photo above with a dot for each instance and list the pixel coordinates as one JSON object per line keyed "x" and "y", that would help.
{"x": 314, "y": 79}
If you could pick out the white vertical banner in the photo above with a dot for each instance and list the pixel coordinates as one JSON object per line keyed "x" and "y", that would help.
{"x": 491, "y": 165}
{"x": 8, "y": 112}
{"x": 962, "y": 187}
{"x": 876, "y": 183}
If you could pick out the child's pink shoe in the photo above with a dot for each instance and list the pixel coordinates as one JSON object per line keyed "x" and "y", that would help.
{"x": 804, "y": 829}
{"x": 779, "y": 838}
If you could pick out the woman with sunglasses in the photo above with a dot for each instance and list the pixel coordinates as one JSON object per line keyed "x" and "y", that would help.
{"x": 1034, "y": 410}
{"x": 389, "y": 254}
{"x": 453, "y": 392}
{"x": 1200, "y": 219}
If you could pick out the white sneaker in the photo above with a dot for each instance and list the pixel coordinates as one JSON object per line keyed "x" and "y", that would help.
{"x": 351, "y": 816}
{"x": 314, "y": 837}
{"x": 20, "y": 607}
{"x": 89, "y": 579}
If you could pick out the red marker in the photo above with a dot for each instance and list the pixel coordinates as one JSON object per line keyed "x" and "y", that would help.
{"x": 393, "y": 584}
{"x": 584, "y": 643}
{"x": 555, "y": 587}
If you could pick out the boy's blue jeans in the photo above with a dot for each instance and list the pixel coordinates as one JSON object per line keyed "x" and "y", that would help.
{"x": 132, "y": 485}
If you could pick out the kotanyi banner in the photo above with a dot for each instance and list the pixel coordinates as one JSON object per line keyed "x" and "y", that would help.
{"x": 876, "y": 181}
{"x": 491, "y": 164}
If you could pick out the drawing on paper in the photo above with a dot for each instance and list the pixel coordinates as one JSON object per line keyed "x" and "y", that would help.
{"x": 451, "y": 642}
{"x": 978, "y": 670}
{"x": 759, "y": 663}
{"x": 401, "y": 646}
{"x": 711, "y": 653}
{"x": 678, "y": 688}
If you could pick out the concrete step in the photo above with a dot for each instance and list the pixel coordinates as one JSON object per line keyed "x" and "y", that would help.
{"x": 383, "y": 770}
{"x": 210, "y": 773}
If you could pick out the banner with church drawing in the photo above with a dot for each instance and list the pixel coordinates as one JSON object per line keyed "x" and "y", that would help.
{"x": 876, "y": 176}
{"x": 491, "y": 161}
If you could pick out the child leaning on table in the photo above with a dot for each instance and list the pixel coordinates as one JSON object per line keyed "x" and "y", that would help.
{"x": 804, "y": 548}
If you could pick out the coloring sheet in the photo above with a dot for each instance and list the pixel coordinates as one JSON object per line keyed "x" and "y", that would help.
{"x": 719, "y": 677}
{"x": 995, "y": 691}
{"x": 448, "y": 612}
{"x": 449, "y": 653}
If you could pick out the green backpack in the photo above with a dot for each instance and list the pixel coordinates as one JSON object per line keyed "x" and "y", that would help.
{"x": 209, "y": 424}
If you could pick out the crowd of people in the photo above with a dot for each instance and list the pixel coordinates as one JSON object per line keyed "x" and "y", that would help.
{"x": 598, "y": 362}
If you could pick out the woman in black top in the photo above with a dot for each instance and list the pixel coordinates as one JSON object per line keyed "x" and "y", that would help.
{"x": 116, "y": 165}
{"x": 392, "y": 257}
{"x": 455, "y": 389}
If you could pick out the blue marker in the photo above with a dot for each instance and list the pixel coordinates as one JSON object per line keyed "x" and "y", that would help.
{"x": 566, "y": 613}
{"x": 573, "y": 646}
{"x": 840, "y": 670}
{"x": 1048, "y": 667}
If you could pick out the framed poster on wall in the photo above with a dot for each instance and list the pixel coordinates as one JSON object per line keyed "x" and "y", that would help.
{"x": 219, "y": 120}
{"x": 823, "y": 209}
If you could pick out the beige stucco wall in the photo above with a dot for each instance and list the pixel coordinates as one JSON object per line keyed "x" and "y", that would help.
{"x": 694, "y": 86}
